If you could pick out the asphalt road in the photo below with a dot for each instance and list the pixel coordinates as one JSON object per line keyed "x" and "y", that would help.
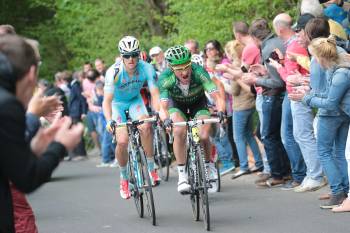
{"x": 81, "y": 198}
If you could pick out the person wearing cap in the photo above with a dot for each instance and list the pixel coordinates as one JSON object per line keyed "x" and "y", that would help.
{"x": 158, "y": 60}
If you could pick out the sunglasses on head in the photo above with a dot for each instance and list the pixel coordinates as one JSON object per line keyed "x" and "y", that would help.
{"x": 132, "y": 55}
{"x": 181, "y": 68}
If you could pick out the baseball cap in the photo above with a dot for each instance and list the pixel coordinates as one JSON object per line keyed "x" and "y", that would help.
{"x": 302, "y": 21}
{"x": 155, "y": 50}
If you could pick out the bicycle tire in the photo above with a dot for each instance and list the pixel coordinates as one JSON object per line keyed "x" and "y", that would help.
{"x": 194, "y": 195}
{"x": 204, "y": 185}
{"x": 147, "y": 185}
{"x": 135, "y": 192}
{"x": 163, "y": 160}
{"x": 218, "y": 174}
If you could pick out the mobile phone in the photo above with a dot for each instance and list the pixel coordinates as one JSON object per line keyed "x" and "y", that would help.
{"x": 274, "y": 56}
{"x": 244, "y": 69}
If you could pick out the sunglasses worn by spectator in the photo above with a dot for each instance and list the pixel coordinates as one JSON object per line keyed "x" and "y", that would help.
{"x": 132, "y": 55}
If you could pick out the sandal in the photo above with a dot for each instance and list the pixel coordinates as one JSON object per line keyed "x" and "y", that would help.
{"x": 270, "y": 183}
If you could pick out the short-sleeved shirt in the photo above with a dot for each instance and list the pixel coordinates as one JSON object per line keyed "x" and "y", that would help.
{"x": 125, "y": 88}
{"x": 251, "y": 54}
{"x": 169, "y": 86}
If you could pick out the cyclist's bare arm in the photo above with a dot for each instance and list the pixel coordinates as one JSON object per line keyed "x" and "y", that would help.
{"x": 219, "y": 101}
{"x": 107, "y": 106}
{"x": 163, "y": 113}
{"x": 155, "y": 99}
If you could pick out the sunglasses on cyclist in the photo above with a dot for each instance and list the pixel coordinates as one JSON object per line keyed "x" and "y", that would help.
{"x": 181, "y": 68}
{"x": 132, "y": 55}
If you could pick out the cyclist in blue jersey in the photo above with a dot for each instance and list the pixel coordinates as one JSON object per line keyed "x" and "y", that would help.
{"x": 123, "y": 83}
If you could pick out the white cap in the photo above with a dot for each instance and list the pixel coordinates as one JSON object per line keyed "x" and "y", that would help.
{"x": 155, "y": 50}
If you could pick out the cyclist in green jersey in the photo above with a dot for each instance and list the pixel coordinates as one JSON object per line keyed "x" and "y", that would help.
{"x": 184, "y": 84}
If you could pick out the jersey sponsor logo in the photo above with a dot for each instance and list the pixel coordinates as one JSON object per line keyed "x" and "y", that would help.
{"x": 130, "y": 83}
{"x": 116, "y": 76}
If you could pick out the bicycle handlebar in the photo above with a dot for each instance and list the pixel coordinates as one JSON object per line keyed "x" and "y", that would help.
{"x": 197, "y": 122}
{"x": 138, "y": 122}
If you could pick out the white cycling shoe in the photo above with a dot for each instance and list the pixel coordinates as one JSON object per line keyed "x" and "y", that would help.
{"x": 182, "y": 186}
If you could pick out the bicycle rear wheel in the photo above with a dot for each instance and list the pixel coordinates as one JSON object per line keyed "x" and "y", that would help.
{"x": 162, "y": 155}
{"x": 218, "y": 174}
{"x": 204, "y": 185}
{"x": 194, "y": 196}
{"x": 134, "y": 173}
{"x": 147, "y": 186}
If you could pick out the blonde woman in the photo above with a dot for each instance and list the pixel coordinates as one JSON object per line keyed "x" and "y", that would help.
{"x": 332, "y": 130}
{"x": 243, "y": 109}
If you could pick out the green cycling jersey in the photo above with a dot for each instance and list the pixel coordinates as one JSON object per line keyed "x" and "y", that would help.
{"x": 170, "y": 87}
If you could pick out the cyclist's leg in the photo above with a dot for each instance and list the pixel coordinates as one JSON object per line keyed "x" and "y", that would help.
{"x": 121, "y": 152}
{"x": 138, "y": 111}
{"x": 179, "y": 132}
{"x": 204, "y": 113}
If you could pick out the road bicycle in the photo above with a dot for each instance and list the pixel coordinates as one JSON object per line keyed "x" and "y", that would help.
{"x": 197, "y": 171}
{"x": 140, "y": 183}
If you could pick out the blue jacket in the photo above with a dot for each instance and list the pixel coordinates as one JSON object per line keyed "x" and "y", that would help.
{"x": 338, "y": 90}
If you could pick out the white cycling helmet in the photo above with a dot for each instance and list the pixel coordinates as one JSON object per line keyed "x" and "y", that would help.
{"x": 128, "y": 44}
{"x": 197, "y": 59}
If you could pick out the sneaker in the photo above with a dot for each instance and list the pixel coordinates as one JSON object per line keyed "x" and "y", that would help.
{"x": 114, "y": 163}
{"x": 290, "y": 185}
{"x": 309, "y": 185}
{"x": 335, "y": 201}
{"x": 182, "y": 185}
{"x": 227, "y": 166}
{"x": 79, "y": 158}
{"x": 155, "y": 178}
{"x": 124, "y": 189}
{"x": 240, "y": 173}
{"x": 102, "y": 164}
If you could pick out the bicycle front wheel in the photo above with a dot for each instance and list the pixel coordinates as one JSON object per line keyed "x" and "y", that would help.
{"x": 134, "y": 181}
{"x": 203, "y": 181}
{"x": 147, "y": 187}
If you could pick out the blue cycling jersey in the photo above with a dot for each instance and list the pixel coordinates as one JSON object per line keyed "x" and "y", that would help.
{"x": 125, "y": 88}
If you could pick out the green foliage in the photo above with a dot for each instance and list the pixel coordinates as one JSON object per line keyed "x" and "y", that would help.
{"x": 71, "y": 32}
{"x": 212, "y": 19}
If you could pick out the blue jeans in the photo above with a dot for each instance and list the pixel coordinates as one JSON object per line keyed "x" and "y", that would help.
{"x": 290, "y": 145}
{"x": 303, "y": 131}
{"x": 271, "y": 137}
{"x": 107, "y": 147}
{"x": 258, "y": 106}
{"x": 223, "y": 146}
{"x": 332, "y": 132}
{"x": 242, "y": 133}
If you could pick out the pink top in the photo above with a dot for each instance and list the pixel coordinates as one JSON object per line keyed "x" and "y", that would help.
{"x": 89, "y": 93}
{"x": 291, "y": 67}
{"x": 251, "y": 56}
